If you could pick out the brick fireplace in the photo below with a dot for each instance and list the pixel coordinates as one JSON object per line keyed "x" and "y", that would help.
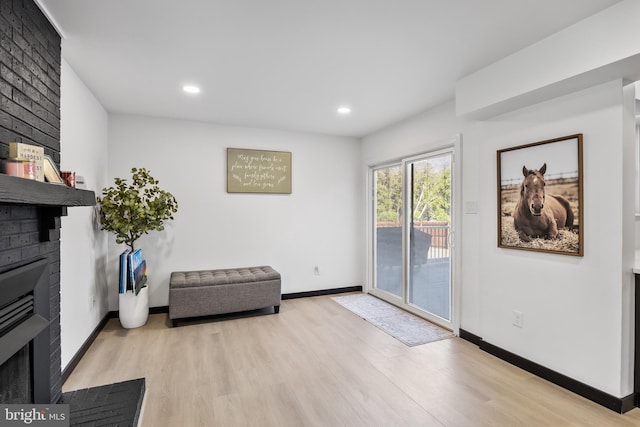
{"x": 30, "y": 211}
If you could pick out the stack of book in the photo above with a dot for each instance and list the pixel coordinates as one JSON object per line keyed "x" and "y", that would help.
{"x": 133, "y": 271}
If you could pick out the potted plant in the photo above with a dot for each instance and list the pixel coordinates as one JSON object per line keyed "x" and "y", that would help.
{"x": 130, "y": 210}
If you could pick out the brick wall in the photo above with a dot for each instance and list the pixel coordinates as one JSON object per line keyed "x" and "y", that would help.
{"x": 29, "y": 78}
{"x": 30, "y": 113}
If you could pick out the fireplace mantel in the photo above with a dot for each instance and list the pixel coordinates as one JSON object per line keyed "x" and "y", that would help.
{"x": 51, "y": 200}
{"x": 23, "y": 191}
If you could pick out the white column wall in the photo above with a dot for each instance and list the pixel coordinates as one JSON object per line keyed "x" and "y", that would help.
{"x": 83, "y": 248}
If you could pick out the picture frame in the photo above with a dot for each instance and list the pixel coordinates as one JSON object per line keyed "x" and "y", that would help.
{"x": 258, "y": 171}
{"x": 540, "y": 196}
{"x": 51, "y": 172}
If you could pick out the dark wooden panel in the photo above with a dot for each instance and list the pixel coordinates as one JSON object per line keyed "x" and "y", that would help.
{"x": 25, "y": 191}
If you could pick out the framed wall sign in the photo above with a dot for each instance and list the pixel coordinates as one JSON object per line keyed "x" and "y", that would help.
{"x": 258, "y": 171}
{"x": 540, "y": 191}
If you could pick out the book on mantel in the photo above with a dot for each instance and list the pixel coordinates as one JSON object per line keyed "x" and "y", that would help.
{"x": 31, "y": 152}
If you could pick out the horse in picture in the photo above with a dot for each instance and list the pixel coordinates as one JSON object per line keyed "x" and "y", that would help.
{"x": 538, "y": 214}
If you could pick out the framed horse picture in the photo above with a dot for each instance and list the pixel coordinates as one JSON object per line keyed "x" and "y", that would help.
{"x": 540, "y": 192}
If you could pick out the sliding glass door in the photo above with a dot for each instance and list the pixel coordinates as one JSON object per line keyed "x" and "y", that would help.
{"x": 412, "y": 242}
{"x": 388, "y": 229}
{"x": 429, "y": 273}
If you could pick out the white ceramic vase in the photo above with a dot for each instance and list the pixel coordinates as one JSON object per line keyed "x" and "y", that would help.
{"x": 134, "y": 309}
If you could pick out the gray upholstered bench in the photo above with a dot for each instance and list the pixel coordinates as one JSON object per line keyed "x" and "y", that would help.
{"x": 209, "y": 292}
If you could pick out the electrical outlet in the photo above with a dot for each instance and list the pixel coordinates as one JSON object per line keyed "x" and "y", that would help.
{"x": 517, "y": 318}
{"x": 316, "y": 271}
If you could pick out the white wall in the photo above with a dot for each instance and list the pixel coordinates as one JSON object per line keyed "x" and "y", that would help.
{"x": 318, "y": 224}
{"x": 83, "y": 248}
{"x": 573, "y": 307}
{"x": 576, "y": 310}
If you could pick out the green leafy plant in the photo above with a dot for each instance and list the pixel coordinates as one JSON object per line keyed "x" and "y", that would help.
{"x": 131, "y": 210}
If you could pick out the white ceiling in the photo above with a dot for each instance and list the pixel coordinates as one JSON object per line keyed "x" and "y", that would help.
{"x": 288, "y": 64}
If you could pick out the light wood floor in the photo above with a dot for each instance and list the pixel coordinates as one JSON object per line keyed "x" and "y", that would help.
{"x": 318, "y": 364}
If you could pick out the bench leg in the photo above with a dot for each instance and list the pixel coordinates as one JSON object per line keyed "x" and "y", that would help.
{"x": 276, "y": 309}
{"x": 174, "y": 323}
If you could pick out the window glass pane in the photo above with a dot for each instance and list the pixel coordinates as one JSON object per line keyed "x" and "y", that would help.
{"x": 388, "y": 229}
{"x": 430, "y": 261}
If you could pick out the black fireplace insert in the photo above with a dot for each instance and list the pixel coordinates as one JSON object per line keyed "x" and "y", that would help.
{"x": 24, "y": 348}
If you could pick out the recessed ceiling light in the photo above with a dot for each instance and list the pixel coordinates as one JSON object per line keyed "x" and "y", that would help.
{"x": 191, "y": 89}
{"x": 344, "y": 110}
